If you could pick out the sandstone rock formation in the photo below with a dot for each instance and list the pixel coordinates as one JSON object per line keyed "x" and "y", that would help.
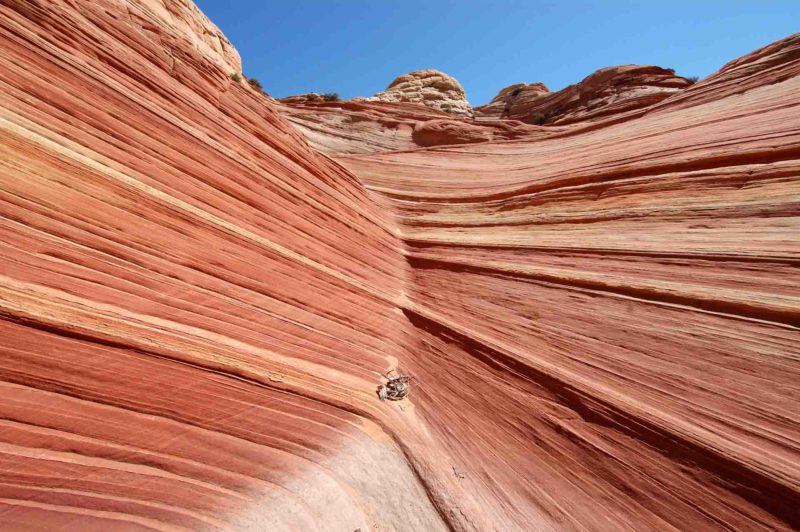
{"x": 448, "y": 131}
{"x": 428, "y": 87}
{"x": 639, "y": 280}
{"x": 196, "y": 307}
{"x": 510, "y": 98}
{"x": 609, "y": 91}
{"x": 183, "y": 18}
{"x": 301, "y": 99}
{"x": 356, "y": 126}
{"x": 360, "y": 126}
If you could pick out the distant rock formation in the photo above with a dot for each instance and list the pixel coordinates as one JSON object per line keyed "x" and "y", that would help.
{"x": 301, "y": 98}
{"x": 514, "y": 95}
{"x": 429, "y": 87}
{"x": 357, "y": 125}
{"x": 361, "y": 126}
{"x": 609, "y": 91}
{"x": 407, "y": 115}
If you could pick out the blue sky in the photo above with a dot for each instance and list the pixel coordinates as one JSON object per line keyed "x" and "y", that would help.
{"x": 356, "y": 47}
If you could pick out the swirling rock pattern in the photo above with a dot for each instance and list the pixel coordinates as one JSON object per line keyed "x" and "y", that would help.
{"x": 630, "y": 290}
{"x": 196, "y": 307}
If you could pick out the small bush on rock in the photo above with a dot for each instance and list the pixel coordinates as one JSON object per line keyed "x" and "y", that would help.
{"x": 517, "y": 91}
{"x": 330, "y": 97}
{"x": 236, "y": 77}
{"x": 693, "y": 79}
{"x": 253, "y": 82}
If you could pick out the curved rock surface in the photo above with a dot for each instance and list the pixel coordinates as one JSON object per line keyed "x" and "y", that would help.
{"x": 447, "y": 131}
{"x": 182, "y": 17}
{"x": 624, "y": 300}
{"x": 429, "y": 87}
{"x": 196, "y": 307}
{"x": 607, "y": 92}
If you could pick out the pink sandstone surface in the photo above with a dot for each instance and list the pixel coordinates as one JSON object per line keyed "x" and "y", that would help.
{"x": 196, "y": 306}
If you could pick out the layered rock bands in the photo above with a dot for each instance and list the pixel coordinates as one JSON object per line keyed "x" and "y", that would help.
{"x": 197, "y": 304}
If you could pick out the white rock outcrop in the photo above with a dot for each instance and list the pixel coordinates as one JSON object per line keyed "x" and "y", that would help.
{"x": 428, "y": 87}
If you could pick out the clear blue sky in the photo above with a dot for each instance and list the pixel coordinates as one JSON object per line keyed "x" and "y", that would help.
{"x": 356, "y": 47}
